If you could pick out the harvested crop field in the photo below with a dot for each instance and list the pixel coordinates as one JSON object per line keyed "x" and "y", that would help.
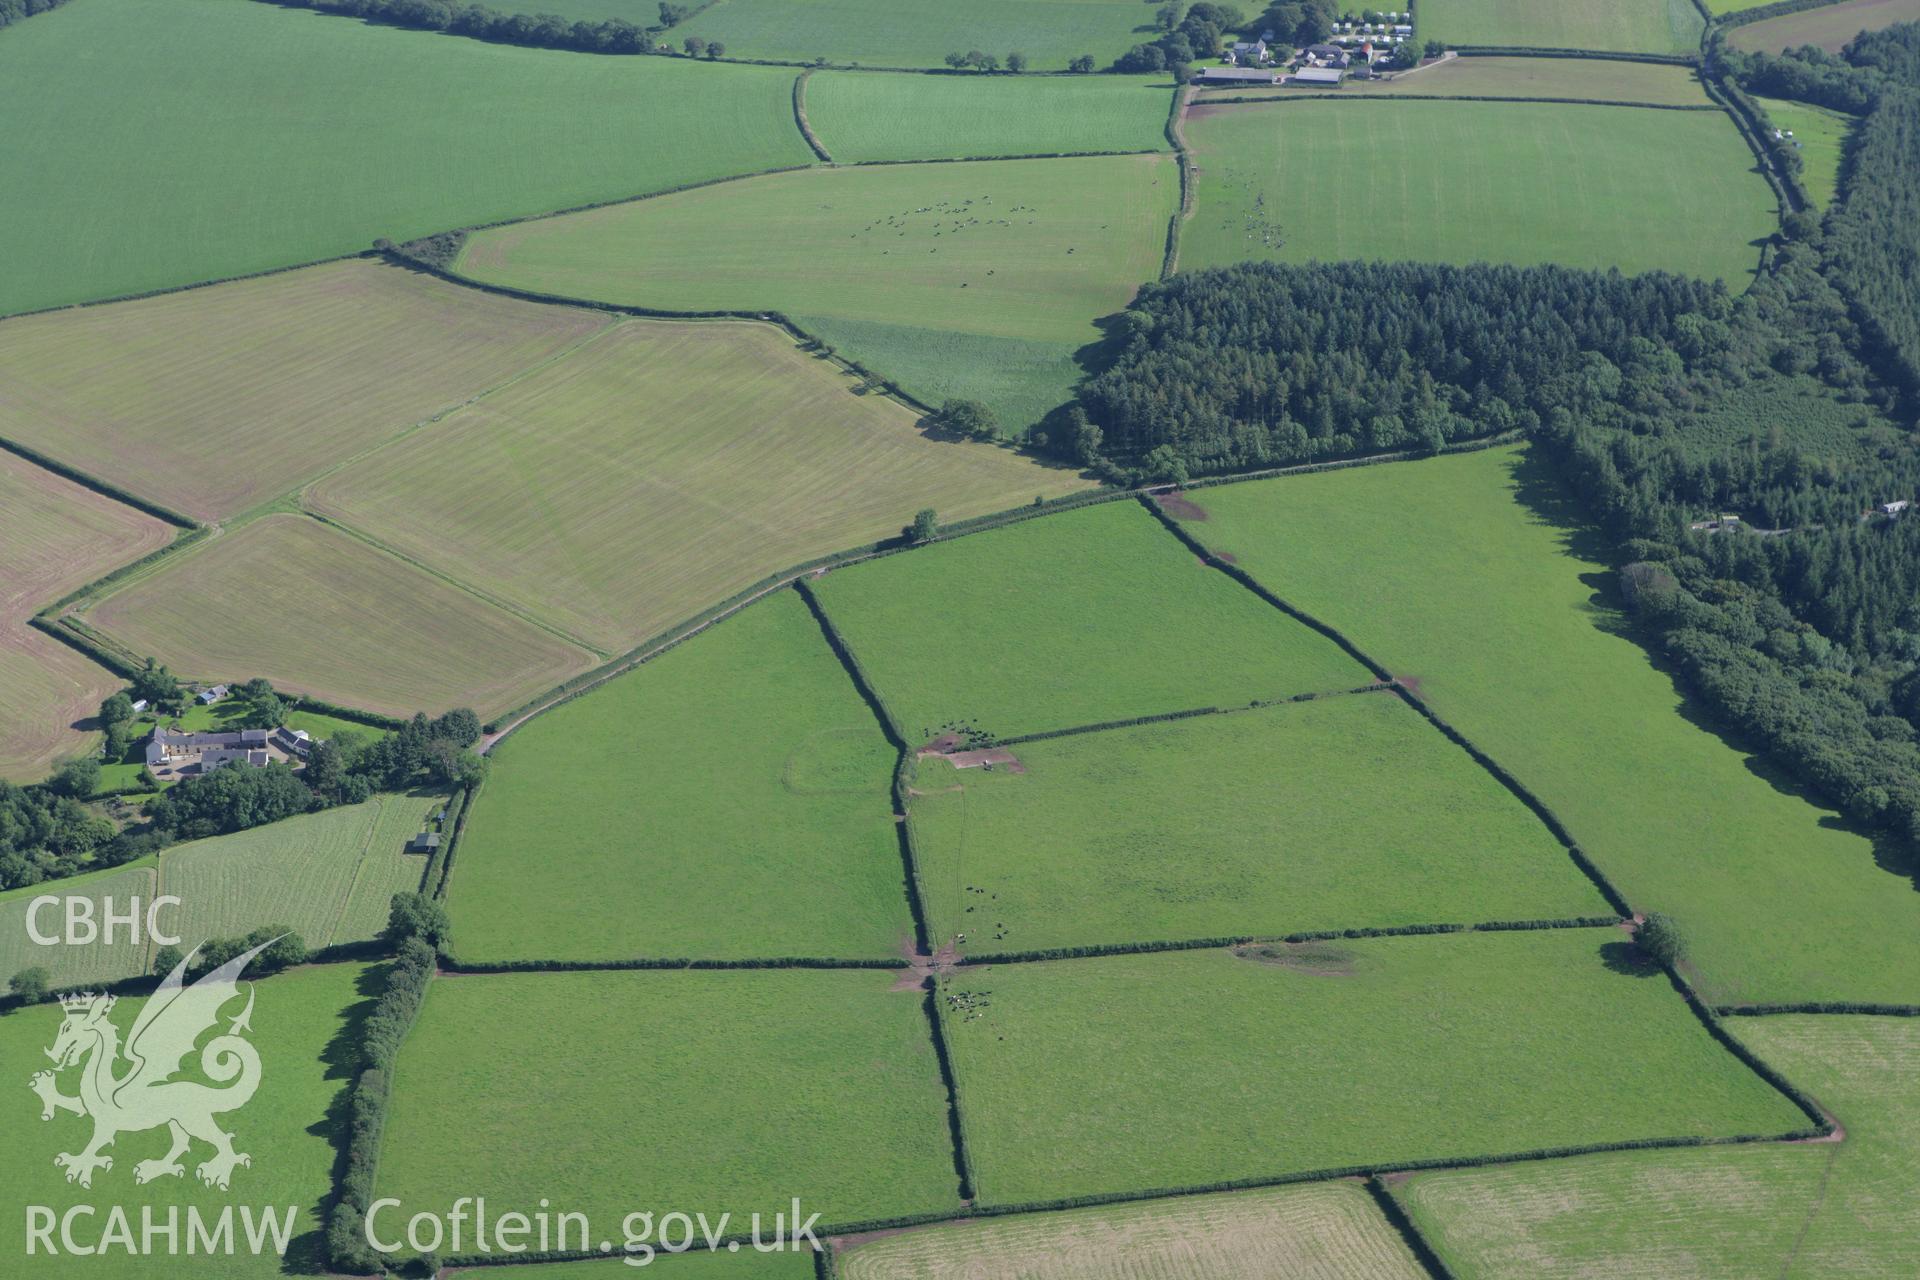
{"x": 1346, "y": 812}
{"x": 54, "y": 537}
{"x": 919, "y": 33}
{"x": 660, "y": 469}
{"x": 860, "y": 116}
{"x": 1811, "y": 1211}
{"x": 1508, "y": 620}
{"x": 1827, "y": 26}
{"x": 741, "y": 1090}
{"x": 319, "y": 612}
{"x": 213, "y": 400}
{"x": 933, "y": 275}
{"x": 328, "y": 876}
{"x": 1590, "y": 79}
{"x": 1680, "y": 1215}
{"x": 73, "y": 966}
{"x": 729, "y": 799}
{"x": 1615, "y": 26}
{"x": 1528, "y": 182}
{"x": 305, "y": 1024}
{"x": 1323, "y": 1231}
{"x": 1080, "y": 618}
{"x": 271, "y": 137}
{"x": 1215, "y": 1067}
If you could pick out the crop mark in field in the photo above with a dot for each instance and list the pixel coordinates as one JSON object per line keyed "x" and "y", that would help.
{"x": 1180, "y": 506}
{"x": 1318, "y": 959}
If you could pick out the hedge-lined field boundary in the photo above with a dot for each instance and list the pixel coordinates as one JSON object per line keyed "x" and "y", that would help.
{"x": 1177, "y": 139}
{"x": 800, "y": 116}
{"x": 902, "y": 767}
{"x": 451, "y": 963}
{"x": 956, "y": 1115}
{"x": 181, "y": 541}
{"x": 1097, "y": 950}
{"x": 1258, "y": 704}
{"x": 386, "y": 1029}
{"x": 1823, "y": 1126}
{"x": 1760, "y": 13}
{"x": 164, "y": 290}
{"x": 434, "y": 876}
{"x": 1398, "y": 1218}
{"x": 1548, "y": 818}
{"x": 1750, "y": 118}
{"x": 105, "y": 488}
{"x": 503, "y": 725}
{"x": 1095, "y": 1200}
{"x": 1592, "y": 55}
{"x": 1456, "y": 97}
{"x": 1818, "y": 1006}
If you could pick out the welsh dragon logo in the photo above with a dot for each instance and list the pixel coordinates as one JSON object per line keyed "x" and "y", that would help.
{"x": 143, "y": 1093}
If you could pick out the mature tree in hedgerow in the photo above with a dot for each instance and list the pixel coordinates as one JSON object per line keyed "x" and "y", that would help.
{"x": 1659, "y": 937}
{"x": 30, "y": 986}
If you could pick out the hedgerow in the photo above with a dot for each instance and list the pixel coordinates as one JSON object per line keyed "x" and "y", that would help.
{"x": 380, "y": 1039}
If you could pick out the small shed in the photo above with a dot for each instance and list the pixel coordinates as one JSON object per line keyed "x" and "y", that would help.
{"x": 1894, "y": 508}
{"x": 210, "y": 696}
{"x": 139, "y": 705}
{"x": 425, "y": 842}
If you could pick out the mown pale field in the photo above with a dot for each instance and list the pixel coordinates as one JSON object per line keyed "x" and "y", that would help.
{"x": 661, "y": 468}
{"x": 337, "y": 619}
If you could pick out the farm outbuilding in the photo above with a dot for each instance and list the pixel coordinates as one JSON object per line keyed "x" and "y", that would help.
{"x": 1316, "y": 76}
{"x": 1238, "y": 75}
{"x": 425, "y": 842}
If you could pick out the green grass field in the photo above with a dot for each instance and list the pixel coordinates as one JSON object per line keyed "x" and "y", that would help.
{"x": 920, "y": 33}
{"x": 1485, "y": 586}
{"x": 1615, "y": 26}
{"x": 964, "y": 270}
{"x": 1214, "y": 1066}
{"x": 214, "y": 400}
{"x": 270, "y": 137}
{"x": 1333, "y": 814}
{"x": 1822, "y": 135}
{"x": 1321, "y": 1231}
{"x": 738, "y": 1091}
{"x": 1080, "y": 618}
{"x": 863, "y": 116}
{"x": 728, "y": 799}
{"x": 1823, "y": 1211}
{"x": 1585, "y": 186}
{"x": 305, "y": 1025}
{"x": 1829, "y": 26}
{"x": 54, "y": 537}
{"x": 331, "y": 617}
{"x": 1592, "y": 79}
{"x": 328, "y": 876}
{"x": 660, "y": 469}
